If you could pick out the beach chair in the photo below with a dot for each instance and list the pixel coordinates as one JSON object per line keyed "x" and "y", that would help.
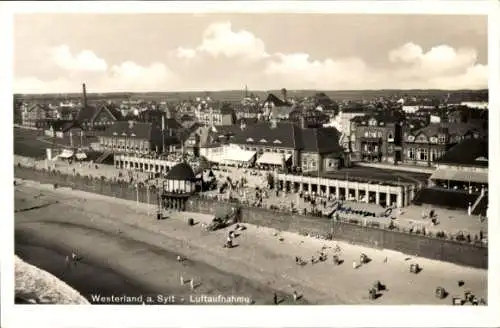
{"x": 440, "y": 292}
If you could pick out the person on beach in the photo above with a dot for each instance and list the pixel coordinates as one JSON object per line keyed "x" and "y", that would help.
{"x": 385, "y": 260}
{"x": 354, "y": 265}
{"x": 191, "y": 283}
{"x": 295, "y": 296}
{"x": 182, "y": 281}
{"x": 275, "y": 299}
{"x": 68, "y": 264}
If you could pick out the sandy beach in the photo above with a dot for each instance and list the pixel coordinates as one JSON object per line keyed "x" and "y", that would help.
{"x": 119, "y": 237}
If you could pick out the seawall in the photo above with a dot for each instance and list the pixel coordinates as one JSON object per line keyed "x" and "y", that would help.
{"x": 443, "y": 249}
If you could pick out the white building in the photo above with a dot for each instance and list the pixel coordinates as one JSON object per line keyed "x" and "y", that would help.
{"x": 475, "y": 104}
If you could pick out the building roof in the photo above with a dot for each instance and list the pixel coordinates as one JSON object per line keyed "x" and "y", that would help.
{"x": 434, "y": 129}
{"x": 86, "y": 113}
{"x": 473, "y": 152}
{"x": 138, "y": 130}
{"x": 289, "y": 135}
{"x": 386, "y": 117}
{"x": 277, "y": 101}
{"x": 181, "y": 171}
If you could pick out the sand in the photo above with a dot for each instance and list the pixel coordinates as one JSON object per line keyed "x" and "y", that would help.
{"x": 120, "y": 235}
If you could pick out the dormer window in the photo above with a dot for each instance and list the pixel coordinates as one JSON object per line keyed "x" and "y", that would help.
{"x": 263, "y": 140}
{"x": 411, "y": 138}
{"x": 372, "y": 122}
{"x": 115, "y": 134}
{"x": 132, "y": 134}
{"x": 276, "y": 141}
{"x": 381, "y": 124}
{"x": 124, "y": 134}
{"x": 249, "y": 140}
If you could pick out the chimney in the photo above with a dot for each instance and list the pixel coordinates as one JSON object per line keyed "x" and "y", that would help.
{"x": 84, "y": 96}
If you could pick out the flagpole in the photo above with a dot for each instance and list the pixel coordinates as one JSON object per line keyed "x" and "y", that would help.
{"x": 147, "y": 195}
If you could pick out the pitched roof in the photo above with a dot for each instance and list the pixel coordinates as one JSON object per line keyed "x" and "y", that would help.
{"x": 114, "y": 112}
{"x": 86, "y": 113}
{"x": 263, "y": 134}
{"x": 139, "y": 130}
{"x": 181, "y": 171}
{"x": 473, "y": 152}
{"x": 290, "y": 135}
{"x": 433, "y": 129}
{"x": 277, "y": 101}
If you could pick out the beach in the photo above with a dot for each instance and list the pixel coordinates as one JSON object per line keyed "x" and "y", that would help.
{"x": 120, "y": 238}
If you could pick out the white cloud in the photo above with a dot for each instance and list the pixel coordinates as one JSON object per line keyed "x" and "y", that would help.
{"x": 220, "y": 40}
{"x": 185, "y": 53}
{"x": 297, "y": 69}
{"x": 241, "y": 52}
{"x": 441, "y": 67}
{"x": 88, "y": 67}
{"x": 131, "y": 76}
{"x": 439, "y": 60}
{"x": 86, "y": 60}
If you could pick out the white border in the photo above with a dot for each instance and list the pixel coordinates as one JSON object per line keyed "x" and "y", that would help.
{"x": 254, "y": 316}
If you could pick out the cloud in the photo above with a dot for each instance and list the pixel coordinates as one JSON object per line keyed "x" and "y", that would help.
{"x": 299, "y": 68}
{"x": 185, "y": 53}
{"x": 88, "y": 67}
{"x": 440, "y": 60}
{"x": 220, "y": 40}
{"x": 86, "y": 60}
{"x": 222, "y": 50}
{"x": 440, "y": 67}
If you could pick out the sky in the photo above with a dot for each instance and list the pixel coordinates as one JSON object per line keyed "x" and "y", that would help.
{"x": 56, "y": 53}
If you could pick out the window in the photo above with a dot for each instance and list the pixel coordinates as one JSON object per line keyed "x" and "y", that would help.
{"x": 263, "y": 140}
{"x": 366, "y": 134}
{"x": 411, "y": 153}
{"x": 411, "y": 138}
{"x": 276, "y": 141}
{"x": 390, "y": 136}
{"x": 372, "y": 122}
{"x": 423, "y": 154}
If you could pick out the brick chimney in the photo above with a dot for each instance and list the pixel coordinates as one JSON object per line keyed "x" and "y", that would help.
{"x": 84, "y": 96}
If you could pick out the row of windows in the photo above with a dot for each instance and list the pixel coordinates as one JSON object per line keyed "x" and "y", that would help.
{"x": 423, "y": 154}
{"x": 376, "y": 134}
{"x": 268, "y": 150}
{"x": 124, "y": 142}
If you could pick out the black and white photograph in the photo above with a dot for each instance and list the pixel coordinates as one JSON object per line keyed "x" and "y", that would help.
{"x": 175, "y": 157}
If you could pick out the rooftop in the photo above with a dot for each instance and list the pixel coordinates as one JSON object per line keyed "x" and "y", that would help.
{"x": 473, "y": 152}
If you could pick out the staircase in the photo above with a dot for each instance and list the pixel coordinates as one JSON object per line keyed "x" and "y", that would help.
{"x": 478, "y": 201}
{"x": 105, "y": 155}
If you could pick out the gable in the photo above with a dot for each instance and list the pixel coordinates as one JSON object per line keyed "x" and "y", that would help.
{"x": 421, "y": 138}
{"x": 103, "y": 115}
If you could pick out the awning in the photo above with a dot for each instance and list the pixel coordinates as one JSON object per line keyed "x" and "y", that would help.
{"x": 215, "y": 158}
{"x": 273, "y": 158}
{"x": 66, "y": 153}
{"x": 463, "y": 176}
{"x": 239, "y": 155}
